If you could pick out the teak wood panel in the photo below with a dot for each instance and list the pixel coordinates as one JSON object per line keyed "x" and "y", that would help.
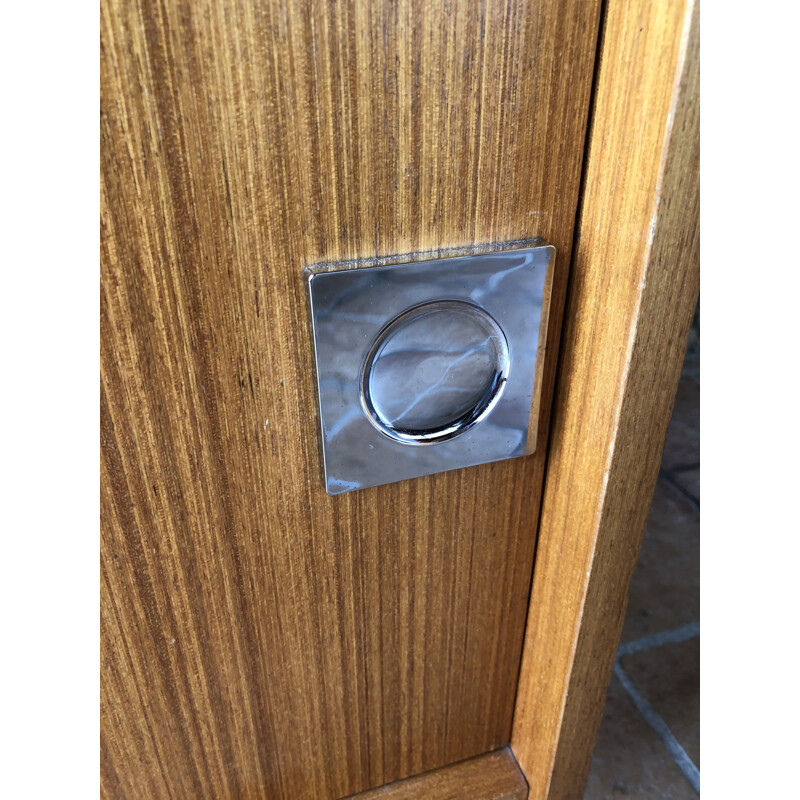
{"x": 633, "y": 289}
{"x": 493, "y": 776}
{"x": 259, "y": 638}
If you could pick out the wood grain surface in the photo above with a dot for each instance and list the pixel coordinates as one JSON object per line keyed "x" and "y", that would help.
{"x": 492, "y": 776}
{"x": 633, "y": 290}
{"x": 260, "y": 638}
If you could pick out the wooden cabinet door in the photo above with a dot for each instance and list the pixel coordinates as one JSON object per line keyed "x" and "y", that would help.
{"x": 259, "y": 637}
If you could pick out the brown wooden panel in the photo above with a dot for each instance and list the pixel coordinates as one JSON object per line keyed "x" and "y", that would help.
{"x": 493, "y": 776}
{"x": 633, "y": 290}
{"x": 260, "y": 638}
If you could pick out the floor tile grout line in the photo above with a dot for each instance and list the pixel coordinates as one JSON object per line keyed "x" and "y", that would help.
{"x": 670, "y": 481}
{"x": 680, "y": 468}
{"x": 682, "y": 634}
{"x": 651, "y": 717}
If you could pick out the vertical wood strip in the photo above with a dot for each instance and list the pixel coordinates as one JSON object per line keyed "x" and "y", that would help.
{"x": 633, "y": 288}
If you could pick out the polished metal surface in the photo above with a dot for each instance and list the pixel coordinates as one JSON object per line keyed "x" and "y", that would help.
{"x": 427, "y": 366}
{"x": 434, "y": 371}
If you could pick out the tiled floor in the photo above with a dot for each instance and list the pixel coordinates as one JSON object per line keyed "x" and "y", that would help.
{"x": 649, "y": 740}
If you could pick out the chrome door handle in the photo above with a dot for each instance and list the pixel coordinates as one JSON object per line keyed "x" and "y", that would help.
{"x": 427, "y": 366}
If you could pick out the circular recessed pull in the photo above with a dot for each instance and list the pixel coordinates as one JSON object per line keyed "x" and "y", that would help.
{"x": 434, "y": 371}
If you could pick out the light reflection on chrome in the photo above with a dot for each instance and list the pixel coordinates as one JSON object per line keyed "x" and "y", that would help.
{"x": 455, "y": 374}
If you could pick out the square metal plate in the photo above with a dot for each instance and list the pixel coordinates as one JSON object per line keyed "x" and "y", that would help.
{"x": 428, "y": 366}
